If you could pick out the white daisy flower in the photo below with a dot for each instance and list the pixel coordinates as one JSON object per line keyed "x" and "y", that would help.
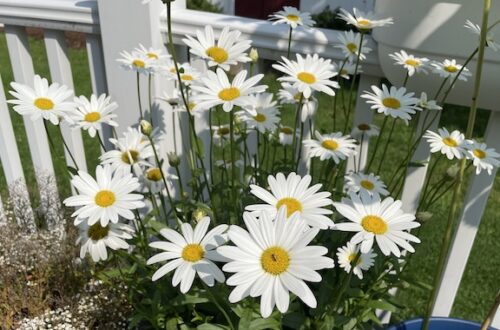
{"x": 349, "y": 45}
{"x": 450, "y": 69}
{"x": 348, "y": 253}
{"x": 188, "y": 74}
{"x": 330, "y": 146}
{"x": 106, "y": 198}
{"x": 365, "y": 130}
{"x": 229, "y": 49}
{"x": 293, "y": 17}
{"x": 484, "y": 158}
{"x": 261, "y": 113}
{"x": 411, "y": 63}
{"x": 365, "y": 183}
{"x": 95, "y": 239}
{"x": 285, "y": 136}
{"x": 191, "y": 253}
{"x": 132, "y": 151}
{"x": 172, "y": 96}
{"x": 450, "y": 144}
{"x": 50, "y": 102}
{"x": 476, "y": 29}
{"x": 91, "y": 114}
{"x": 222, "y": 135}
{"x": 363, "y": 21}
{"x": 423, "y": 103}
{"x": 215, "y": 89}
{"x": 272, "y": 259}
{"x": 373, "y": 219}
{"x": 294, "y": 193}
{"x": 137, "y": 61}
{"x": 158, "y": 55}
{"x": 349, "y": 69}
{"x": 151, "y": 180}
{"x": 289, "y": 94}
{"x": 308, "y": 74}
{"x": 394, "y": 102}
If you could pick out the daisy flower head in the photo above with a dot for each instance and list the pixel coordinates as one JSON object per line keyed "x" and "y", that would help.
{"x": 261, "y": 113}
{"x": 95, "y": 239}
{"x": 51, "y": 102}
{"x": 376, "y": 220}
{"x": 365, "y": 183}
{"x": 188, "y": 74}
{"x": 91, "y": 114}
{"x": 289, "y": 94}
{"x": 490, "y": 41}
{"x": 349, "y": 45}
{"x": 365, "y": 130}
{"x": 191, "y": 253}
{"x": 348, "y": 69}
{"x": 450, "y": 144}
{"x": 273, "y": 258}
{"x": 158, "y": 55}
{"x": 293, "y": 17}
{"x": 152, "y": 181}
{"x": 411, "y": 63}
{"x": 350, "y": 252}
{"x": 132, "y": 151}
{"x": 215, "y": 89}
{"x": 364, "y": 22}
{"x": 137, "y": 61}
{"x": 285, "y": 135}
{"x": 394, "y": 102}
{"x": 483, "y": 158}
{"x": 424, "y": 103}
{"x": 450, "y": 69}
{"x": 228, "y": 50}
{"x": 105, "y": 198}
{"x": 294, "y": 193}
{"x": 308, "y": 74}
{"x": 221, "y": 135}
{"x": 331, "y": 146}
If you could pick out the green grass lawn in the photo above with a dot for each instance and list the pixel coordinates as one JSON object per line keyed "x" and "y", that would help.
{"x": 480, "y": 282}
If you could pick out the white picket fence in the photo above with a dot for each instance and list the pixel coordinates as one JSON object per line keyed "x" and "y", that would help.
{"x": 111, "y": 26}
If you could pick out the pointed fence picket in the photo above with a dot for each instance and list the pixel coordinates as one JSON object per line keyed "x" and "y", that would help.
{"x": 107, "y": 34}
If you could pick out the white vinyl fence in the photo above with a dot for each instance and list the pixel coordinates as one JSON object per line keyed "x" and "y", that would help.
{"x": 111, "y": 26}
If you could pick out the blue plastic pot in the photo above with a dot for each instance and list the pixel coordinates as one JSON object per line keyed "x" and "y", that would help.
{"x": 439, "y": 323}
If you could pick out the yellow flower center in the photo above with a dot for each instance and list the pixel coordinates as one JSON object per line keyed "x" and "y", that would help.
{"x": 352, "y": 47}
{"x": 352, "y": 257}
{"x": 223, "y": 131}
{"x": 292, "y": 205}
{"x": 92, "y": 117}
{"x": 229, "y": 94}
{"x": 130, "y": 156}
{"x": 364, "y": 127}
{"x": 286, "y": 130}
{"x": 139, "y": 64}
{"x": 154, "y": 174}
{"x": 293, "y": 18}
{"x": 275, "y": 260}
{"x": 368, "y": 185}
{"x": 479, "y": 153}
{"x": 260, "y": 118}
{"x": 173, "y": 70}
{"x": 374, "y": 224}
{"x": 152, "y": 55}
{"x": 412, "y": 62}
{"x": 105, "y": 198}
{"x": 450, "y": 142}
{"x": 43, "y": 103}
{"x": 191, "y": 106}
{"x": 218, "y": 54}
{"x": 297, "y": 97}
{"x": 307, "y": 77}
{"x": 187, "y": 77}
{"x": 343, "y": 72}
{"x": 451, "y": 68}
{"x": 364, "y": 23}
{"x": 97, "y": 232}
{"x": 193, "y": 252}
{"x": 391, "y": 102}
{"x": 330, "y": 145}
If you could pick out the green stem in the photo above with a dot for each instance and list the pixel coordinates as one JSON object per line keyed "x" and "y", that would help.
{"x": 289, "y": 42}
{"x": 351, "y": 89}
{"x": 379, "y": 137}
{"x": 139, "y": 96}
{"x": 233, "y": 159}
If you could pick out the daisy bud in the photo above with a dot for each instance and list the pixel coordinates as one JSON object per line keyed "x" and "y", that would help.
{"x": 452, "y": 172}
{"x": 199, "y": 214}
{"x": 173, "y": 159}
{"x": 146, "y": 127}
{"x": 254, "y": 55}
{"x": 424, "y": 216}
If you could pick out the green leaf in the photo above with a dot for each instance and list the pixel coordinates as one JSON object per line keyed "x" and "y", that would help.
{"x": 208, "y": 326}
{"x": 245, "y": 319}
{"x": 171, "y": 324}
{"x": 351, "y": 324}
{"x": 72, "y": 170}
{"x": 156, "y": 225}
{"x": 417, "y": 164}
{"x": 381, "y": 304}
{"x": 263, "y": 324}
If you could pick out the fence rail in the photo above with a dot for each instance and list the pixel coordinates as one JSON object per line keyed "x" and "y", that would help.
{"x": 107, "y": 34}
